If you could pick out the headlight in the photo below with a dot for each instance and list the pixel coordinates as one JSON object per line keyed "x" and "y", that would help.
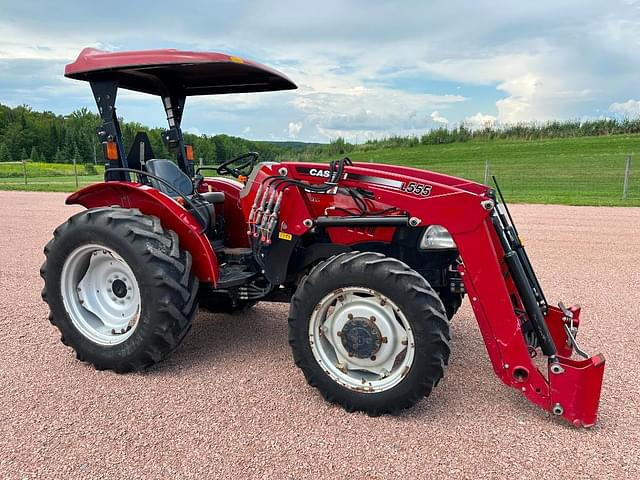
{"x": 436, "y": 237}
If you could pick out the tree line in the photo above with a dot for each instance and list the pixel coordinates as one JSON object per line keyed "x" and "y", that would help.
{"x": 46, "y": 137}
{"x": 464, "y": 133}
{"x": 26, "y": 134}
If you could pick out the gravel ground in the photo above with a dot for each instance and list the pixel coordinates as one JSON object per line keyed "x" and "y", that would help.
{"x": 230, "y": 403}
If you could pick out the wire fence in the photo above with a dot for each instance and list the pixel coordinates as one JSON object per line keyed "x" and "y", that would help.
{"x": 609, "y": 180}
{"x": 589, "y": 182}
{"x": 27, "y": 175}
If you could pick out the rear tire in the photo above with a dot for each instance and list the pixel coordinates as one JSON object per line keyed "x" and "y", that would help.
{"x": 379, "y": 294}
{"x": 160, "y": 272}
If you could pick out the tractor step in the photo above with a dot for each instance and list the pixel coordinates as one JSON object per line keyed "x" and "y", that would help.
{"x": 235, "y": 256}
{"x": 232, "y": 275}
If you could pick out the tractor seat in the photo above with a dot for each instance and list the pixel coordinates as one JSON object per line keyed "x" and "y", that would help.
{"x": 169, "y": 171}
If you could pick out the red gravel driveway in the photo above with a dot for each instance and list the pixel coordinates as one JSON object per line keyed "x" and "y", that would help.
{"x": 231, "y": 404}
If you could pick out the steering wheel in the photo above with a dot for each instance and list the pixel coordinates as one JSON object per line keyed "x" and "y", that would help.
{"x": 245, "y": 162}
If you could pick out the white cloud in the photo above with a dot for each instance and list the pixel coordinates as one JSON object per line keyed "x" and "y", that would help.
{"x": 437, "y": 118}
{"x": 480, "y": 120}
{"x": 366, "y": 69}
{"x": 294, "y": 129}
{"x": 193, "y": 131}
{"x": 356, "y": 112}
{"x": 630, "y": 108}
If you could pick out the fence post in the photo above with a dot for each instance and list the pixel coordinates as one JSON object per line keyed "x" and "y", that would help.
{"x": 24, "y": 170}
{"x": 75, "y": 172}
{"x": 487, "y": 171}
{"x": 627, "y": 172}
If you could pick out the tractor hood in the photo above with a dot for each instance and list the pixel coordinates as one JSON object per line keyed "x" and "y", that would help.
{"x": 185, "y": 73}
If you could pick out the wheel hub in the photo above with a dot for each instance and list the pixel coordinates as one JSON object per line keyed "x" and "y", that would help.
{"x": 361, "y": 337}
{"x": 119, "y": 288}
{"x": 101, "y": 294}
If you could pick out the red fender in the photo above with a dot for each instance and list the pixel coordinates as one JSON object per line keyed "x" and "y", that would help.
{"x": 152, "y": 202}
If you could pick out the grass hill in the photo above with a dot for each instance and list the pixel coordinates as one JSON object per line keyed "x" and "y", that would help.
{"x": 575, "y": 171}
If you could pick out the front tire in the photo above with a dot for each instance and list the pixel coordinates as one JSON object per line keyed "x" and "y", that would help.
{"x": 369, "y": 332}
{"x": 119, "y": 288}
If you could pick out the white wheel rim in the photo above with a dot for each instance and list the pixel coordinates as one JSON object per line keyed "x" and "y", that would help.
{"x": 100, "y": 294}
{"x": 361, "y": 339}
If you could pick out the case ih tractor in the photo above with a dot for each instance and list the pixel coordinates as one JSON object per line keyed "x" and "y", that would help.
{"x": 374, "y": 259}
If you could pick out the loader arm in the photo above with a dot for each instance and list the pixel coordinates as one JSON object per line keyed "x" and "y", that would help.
{"x": 502, "y": 287}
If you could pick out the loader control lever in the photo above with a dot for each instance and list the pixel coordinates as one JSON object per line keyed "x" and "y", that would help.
{"x": 571, "y": 329}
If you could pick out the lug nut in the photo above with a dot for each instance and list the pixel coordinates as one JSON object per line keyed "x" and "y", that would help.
{"x": 372, "y": 358}
{"x": 350, "y": 316}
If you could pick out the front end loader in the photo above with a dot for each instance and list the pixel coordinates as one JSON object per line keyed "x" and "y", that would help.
{"x": 373, "y": 259}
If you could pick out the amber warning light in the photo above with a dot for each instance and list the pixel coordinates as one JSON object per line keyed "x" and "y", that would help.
{"x": 110, "y": 150}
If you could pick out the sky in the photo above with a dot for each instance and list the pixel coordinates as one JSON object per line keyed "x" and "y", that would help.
{"x": 365, "y": 69}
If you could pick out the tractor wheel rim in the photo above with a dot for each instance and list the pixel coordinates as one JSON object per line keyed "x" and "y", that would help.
{"x": 101, "y": 294}
{"x": 361, "y": 339}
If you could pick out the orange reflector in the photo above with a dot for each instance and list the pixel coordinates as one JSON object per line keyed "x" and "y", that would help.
{"x": 189, "y": 150}
{"x": 180, "y": 200}
{"x": 111, "y": 151}
{"x": 242, "y": 178}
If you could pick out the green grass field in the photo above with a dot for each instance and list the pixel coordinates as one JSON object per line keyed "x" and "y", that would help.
{"x": 574, "y": 171}
{"x": 47, "y": 177}
{"x": 49, "y": 184}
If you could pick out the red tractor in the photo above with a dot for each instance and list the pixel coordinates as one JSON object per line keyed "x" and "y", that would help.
{"x": 373, "y": 259}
